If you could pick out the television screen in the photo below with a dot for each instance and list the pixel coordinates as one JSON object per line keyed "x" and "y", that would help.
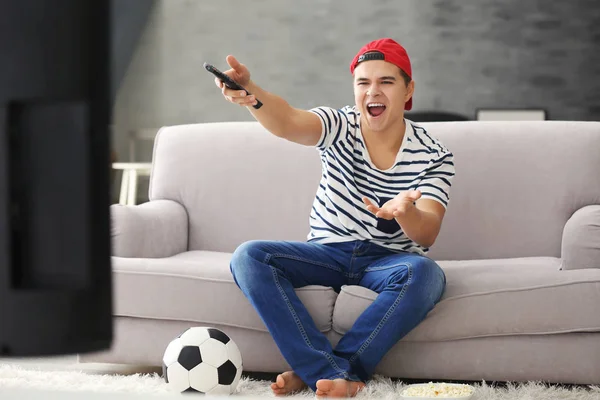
{"x": 55, "y": 272}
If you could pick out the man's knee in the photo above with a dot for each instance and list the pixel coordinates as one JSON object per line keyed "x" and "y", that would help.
{"x": 244, "y": 259}
{"x": 429, "y": 276}
{"x": 423, "y": 275}
{"x": 428, "y": 269}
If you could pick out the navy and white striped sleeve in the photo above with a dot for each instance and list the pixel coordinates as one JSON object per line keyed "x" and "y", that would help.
{"x": 334, "y": 124}
{"x": 438, "y": 178}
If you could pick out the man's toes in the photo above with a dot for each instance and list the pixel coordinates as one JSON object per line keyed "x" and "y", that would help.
{"x": 280, "y": 381}
{"x": 325, "y": 385}
{"x": 356, "y": 387}
{"x": 278, "y": 390}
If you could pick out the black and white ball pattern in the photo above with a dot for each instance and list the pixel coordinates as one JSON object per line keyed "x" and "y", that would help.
{"x": 202, "y": 359}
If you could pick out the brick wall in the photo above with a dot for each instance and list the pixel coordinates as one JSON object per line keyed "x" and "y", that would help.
{"x": 466, "y": 54}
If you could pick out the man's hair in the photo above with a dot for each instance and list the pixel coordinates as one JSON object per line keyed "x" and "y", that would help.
{"x": 406, "y": 78}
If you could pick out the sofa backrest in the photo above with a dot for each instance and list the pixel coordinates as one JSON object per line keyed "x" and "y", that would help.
{"x": 516, "y": 184}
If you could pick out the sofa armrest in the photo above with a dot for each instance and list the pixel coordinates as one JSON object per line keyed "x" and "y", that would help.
{"x": 581, "y": 239}
{"x": 155, "y": 229}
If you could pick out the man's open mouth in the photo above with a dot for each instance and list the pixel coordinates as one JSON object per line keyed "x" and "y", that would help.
{"x": 375, "y": 109}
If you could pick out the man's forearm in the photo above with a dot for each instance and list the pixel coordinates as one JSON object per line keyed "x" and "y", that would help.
{"x": 420, "y": 226}
{"x": 275, "y": 114}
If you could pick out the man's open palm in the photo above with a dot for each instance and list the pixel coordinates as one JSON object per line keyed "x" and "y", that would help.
{"x": 395, "y": 207}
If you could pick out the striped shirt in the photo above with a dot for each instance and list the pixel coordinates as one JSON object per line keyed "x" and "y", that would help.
{"x": 339, "y": 214}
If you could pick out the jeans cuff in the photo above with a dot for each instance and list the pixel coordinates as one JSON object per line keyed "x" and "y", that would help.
{"x": 341, "y": 375}
{"x": 347, "y": 376}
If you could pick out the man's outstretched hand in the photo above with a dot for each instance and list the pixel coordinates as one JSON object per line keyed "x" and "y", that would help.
{"x": 239, "y": 73}
{"x": 397, "y": 207}
{"x": 421, "y": 224}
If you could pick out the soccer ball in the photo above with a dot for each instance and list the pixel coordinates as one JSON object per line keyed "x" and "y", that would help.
{"x": 202, "y": 359}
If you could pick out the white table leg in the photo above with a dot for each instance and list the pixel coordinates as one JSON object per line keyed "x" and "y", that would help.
{"x": 131, "y": 198}
{"x": 124, "y": 187}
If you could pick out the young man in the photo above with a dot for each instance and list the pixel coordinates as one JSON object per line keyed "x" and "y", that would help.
{"x": 377, "y": 210}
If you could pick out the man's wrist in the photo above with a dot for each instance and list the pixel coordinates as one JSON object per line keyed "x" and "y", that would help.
{"x": 251, "y": 87}
{"x": 411, "y": 216}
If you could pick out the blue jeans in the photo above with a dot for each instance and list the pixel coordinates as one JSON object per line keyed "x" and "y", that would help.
{"x": 408, "y": 287}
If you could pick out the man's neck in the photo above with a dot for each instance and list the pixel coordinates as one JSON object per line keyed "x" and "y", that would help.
{"x": 391, "y": 138}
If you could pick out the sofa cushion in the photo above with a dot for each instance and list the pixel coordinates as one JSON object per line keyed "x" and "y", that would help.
{"x": 523, "y": 296}
{"x": 197, "y": 286}
{"x": 516, "y": 185}
{"x": 510, "y": 197}
{"x": 191, "y": 165}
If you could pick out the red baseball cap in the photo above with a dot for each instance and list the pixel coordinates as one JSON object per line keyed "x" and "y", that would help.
{"x": 388, "y": 50}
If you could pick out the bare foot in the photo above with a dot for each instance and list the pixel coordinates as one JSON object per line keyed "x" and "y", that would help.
{"x": 287, "y": 383}
{"x": 338, "y": 388}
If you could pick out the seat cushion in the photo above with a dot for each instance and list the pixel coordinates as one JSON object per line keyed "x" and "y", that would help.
{"x": 522, "y": 296}
{"x": 197, "y": 286}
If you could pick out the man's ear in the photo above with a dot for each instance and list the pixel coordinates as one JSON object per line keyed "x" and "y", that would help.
{"x": 410, "y": 90}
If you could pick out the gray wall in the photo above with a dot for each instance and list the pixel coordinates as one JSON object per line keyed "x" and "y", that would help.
{"x": 466, "y": 54}
{"x": 128, "y": 19}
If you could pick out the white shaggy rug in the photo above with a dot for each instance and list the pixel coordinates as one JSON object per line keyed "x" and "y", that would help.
{"x": 18, "y": 377}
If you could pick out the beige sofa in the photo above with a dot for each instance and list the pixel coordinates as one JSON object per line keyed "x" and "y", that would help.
{"x": 520, "y": 246}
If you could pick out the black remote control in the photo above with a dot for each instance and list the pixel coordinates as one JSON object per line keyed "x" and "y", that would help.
{"x": 230, "y": 83}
